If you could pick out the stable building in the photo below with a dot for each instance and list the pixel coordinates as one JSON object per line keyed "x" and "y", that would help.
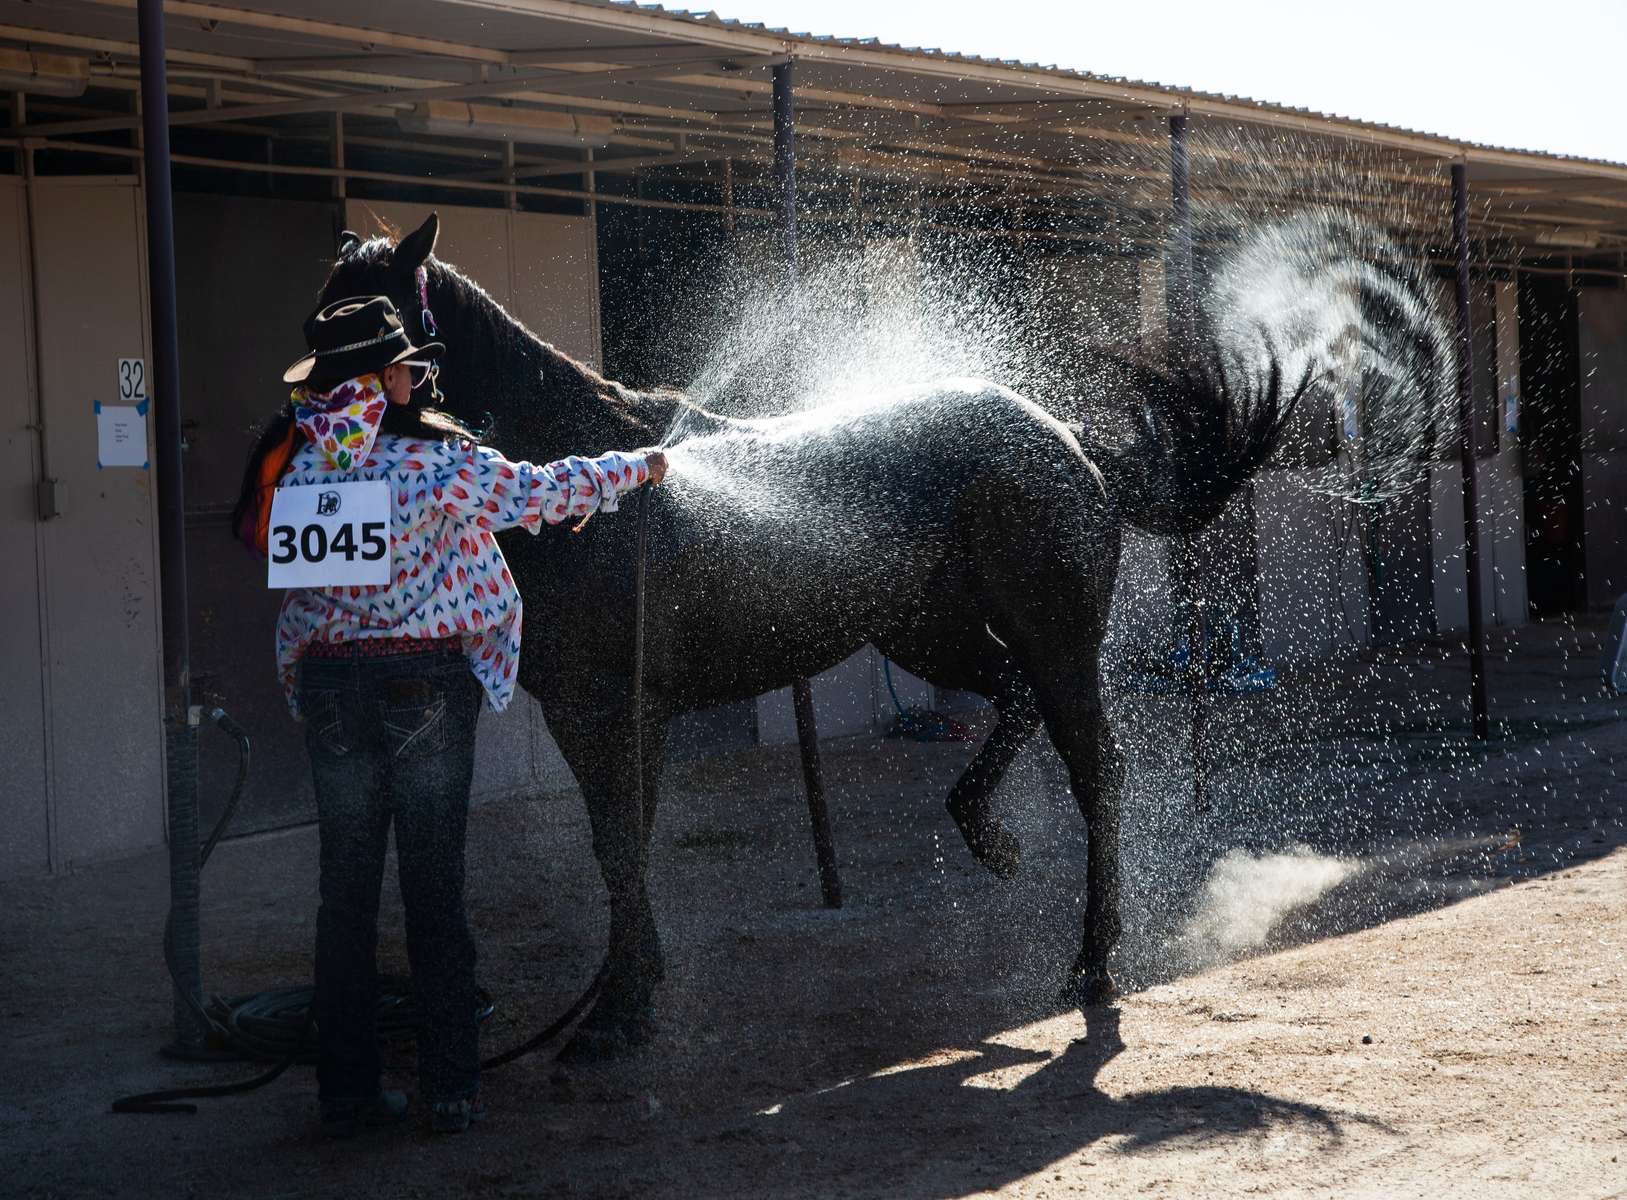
{"x": 592, "y": 161}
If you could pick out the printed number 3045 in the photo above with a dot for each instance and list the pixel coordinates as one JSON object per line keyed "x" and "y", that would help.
{"x": 311, "y": 543}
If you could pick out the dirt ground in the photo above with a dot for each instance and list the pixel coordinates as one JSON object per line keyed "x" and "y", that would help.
{"x": 1383, "y": 963}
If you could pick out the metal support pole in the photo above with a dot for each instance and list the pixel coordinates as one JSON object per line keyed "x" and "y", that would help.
{"x": 180, "y": 730}
{"x": 1180, "y": 301}
{"x": 1179, "y": 293}
{"x": 785, "y": 162}
{"x": 785, "y": 178}
{"x": 1471, "y": 515}
{"x": 590, "y": 184}
{"x": 728, "y": 195}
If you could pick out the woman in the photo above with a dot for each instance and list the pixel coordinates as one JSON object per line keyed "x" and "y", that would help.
{"x": 385, "y": 657}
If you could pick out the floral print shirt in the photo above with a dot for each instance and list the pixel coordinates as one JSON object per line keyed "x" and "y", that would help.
{"x": 449, "y": 577}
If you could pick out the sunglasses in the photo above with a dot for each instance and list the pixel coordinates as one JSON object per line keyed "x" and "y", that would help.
{"x": 421, "y": 371}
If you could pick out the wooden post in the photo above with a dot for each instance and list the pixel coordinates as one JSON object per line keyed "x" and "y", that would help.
{"x": 785, "y": 176}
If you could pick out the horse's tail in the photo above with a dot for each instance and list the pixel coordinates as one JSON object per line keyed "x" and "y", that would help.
{"x": 1198, "y": 432}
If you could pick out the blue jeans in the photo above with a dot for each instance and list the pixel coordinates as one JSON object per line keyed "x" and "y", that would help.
{"x": 393, "y": 738}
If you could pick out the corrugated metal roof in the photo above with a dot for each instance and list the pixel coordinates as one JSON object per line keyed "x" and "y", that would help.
{"x": 1175, "y": 91}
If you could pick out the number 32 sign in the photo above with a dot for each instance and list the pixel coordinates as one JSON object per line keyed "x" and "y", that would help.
{"x": 329, "y": 535}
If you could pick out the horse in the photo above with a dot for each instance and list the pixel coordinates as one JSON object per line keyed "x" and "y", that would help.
{"x": 959, "y": 527}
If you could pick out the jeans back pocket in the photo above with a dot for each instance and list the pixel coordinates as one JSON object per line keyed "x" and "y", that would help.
{"x": 413, "y": 713}
{"x": 324, "y": 713}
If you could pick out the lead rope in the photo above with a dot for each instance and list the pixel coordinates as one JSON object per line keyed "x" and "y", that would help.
{"x": 426, "y": 319}
{"x": 636, "y": 716}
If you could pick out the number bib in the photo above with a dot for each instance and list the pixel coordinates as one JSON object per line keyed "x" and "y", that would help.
{"x": 329, "y": 534}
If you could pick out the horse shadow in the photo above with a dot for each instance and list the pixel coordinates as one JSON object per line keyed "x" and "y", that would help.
{"x": 947, "y": 1134}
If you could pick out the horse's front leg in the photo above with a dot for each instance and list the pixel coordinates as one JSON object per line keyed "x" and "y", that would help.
{"x": 602, "y": 756}
{"x": 1098, "y": 786}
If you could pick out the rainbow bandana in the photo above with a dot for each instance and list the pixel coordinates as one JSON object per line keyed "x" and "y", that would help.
{"x": 342, "y": 422}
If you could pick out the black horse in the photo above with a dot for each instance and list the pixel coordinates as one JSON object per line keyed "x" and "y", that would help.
{"x": 963, "y": 530}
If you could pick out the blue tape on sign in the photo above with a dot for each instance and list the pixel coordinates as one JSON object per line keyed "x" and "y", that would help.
{"x": 141, "y": 408}
{"x": 98, "y": 405}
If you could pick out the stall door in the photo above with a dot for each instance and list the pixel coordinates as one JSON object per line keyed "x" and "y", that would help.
{"x": 1602, "y": 321}
{"x": 101, "y": 553}
{"x": 1504, "y": 509}
{"x": 24, "y": 800}
{"x": 1397, "y": 553}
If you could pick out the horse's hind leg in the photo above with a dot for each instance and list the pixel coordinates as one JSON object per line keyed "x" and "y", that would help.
{"x": 1046, "y": 570}
{"x": 976, "y": 661}
{"x": 1070, "y": 700}
{"x": 1098, "y": 783}
{"x": 971, "y": 800}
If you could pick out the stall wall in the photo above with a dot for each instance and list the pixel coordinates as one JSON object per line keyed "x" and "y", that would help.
{"x": 232, "y": 360}
{"x": 1313, "y": 586}
{"x": 100, "y": 555}
{"x": 25, "y": 847}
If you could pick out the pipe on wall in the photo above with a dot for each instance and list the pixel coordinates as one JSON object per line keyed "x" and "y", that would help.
{"x": 180, "y": 719}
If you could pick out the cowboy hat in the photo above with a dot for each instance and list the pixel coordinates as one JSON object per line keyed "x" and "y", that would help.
{"x": 353, "y": 337}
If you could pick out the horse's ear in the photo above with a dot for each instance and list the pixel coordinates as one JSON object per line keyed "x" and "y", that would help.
{"x": 419, "y": 244}
{"x": 349, "y": 239}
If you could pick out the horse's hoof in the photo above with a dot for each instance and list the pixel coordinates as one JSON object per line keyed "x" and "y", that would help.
{"x": 595, "y": 1045}
{"x": 1091, "y": 991}
{"x": 994, "y": 847}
